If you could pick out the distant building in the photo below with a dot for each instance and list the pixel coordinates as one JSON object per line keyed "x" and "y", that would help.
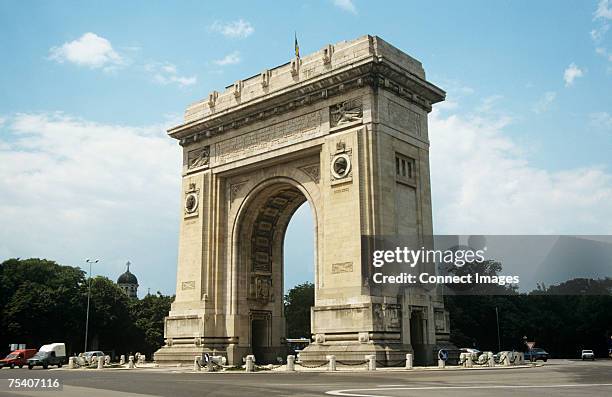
{"x": 128, "y": 283}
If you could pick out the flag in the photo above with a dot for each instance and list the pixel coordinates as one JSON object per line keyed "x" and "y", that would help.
{"x": 297, "y": 47}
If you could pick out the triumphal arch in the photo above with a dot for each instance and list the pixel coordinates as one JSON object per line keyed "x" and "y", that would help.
{"x": 344, "y": 129}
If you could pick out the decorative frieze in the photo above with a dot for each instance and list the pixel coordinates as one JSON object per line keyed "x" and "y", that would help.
{"x": 272, "y": 137}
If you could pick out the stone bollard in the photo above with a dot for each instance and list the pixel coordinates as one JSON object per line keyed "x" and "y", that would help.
{"x": 371, "y": 358}
{"x": 491, "y": 360}
{"x": 100, "y": 362}
{"x": 441, "y": 363}
{"x": 107, "y": 360}
{"x": 331, "y": 362}
{"x": 521, "y": 358}
{"x": 122, "y": 359}
{"x": 409, "y": 359}
{"x": 250, "y": 363}
{"x": 196, "y": 363}
{"x": 290, "y": 363}
{"x": 131, "y": 362}
{"x": 468, "y": 361}
{"x": 71, "y": 363}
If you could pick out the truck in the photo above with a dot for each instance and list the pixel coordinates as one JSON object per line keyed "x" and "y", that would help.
{"x": 17, "y": 358}
{"x": 51, "y": 354}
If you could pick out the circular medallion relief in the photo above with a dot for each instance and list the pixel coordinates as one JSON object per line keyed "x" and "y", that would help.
{"x": 191, "y": 203}
{"x": 341, "y": 166}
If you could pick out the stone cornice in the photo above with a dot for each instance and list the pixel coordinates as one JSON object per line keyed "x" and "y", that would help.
{"x": 373, "y": 71}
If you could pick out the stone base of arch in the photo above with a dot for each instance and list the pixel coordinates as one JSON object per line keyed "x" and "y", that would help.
{"x": 351, "y": 353}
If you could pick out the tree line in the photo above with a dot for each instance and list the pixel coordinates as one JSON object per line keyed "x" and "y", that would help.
{"x": 43, "y": 302}
{"x": 562, "y": 319}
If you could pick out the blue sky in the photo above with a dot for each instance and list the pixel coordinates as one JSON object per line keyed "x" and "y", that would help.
{"x": 522, "y": 145}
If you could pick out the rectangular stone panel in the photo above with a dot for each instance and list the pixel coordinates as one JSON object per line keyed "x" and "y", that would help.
{"x": 183, "y": 326}
{"x": 268, "y": 138}
{"x": 406, "y": 119}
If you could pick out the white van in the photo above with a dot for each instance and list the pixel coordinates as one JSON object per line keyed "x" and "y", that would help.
{"x": 51, "y": 354}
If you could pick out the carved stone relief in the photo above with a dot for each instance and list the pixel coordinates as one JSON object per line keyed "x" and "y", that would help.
{"x": 198, "y": 157}
{"x": 312, "y": 171}
{"x": 346, "y": 112}
{"x": 261, "y": 288}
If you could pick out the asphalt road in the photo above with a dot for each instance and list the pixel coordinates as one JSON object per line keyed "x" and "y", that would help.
{"x": 557, "y": 377}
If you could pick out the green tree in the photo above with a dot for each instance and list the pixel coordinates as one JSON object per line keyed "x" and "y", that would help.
{"x": 40, "y": 302}
{"x": 110, "y": 322}
{"x": 43, "y": 302}
{"x": 148, "y": 316}
{"x": 298, "y": 302}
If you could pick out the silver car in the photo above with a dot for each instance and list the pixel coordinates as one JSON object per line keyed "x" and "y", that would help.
{"x": 588, "y": 355}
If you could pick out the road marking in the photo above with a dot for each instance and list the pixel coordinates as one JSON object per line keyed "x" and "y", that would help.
{"x": 352, "y": 392}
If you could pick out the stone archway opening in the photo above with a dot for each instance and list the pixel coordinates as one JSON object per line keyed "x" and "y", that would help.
{"x": 262, "y": 229}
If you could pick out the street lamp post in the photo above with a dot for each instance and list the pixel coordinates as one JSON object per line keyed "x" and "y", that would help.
{"x": 90, "y": 261}
{"x": 497, "y": 320}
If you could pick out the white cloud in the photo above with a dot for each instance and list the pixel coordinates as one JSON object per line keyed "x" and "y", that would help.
{"x": 604, "y": 53}
{"x": 571, "y": 73}
{"x": 598, "y": 34}
{"x": 239, "y": 29}
{"x": 346, "y": 5}
{"x": 488, "y": 103}
{"x": 167, "y": 73}
{"x": 230, "y": 59}
{"x": 89, "y": 50}
{"x": 604, "y": 10}
{"x": 483, "y": 184}
{"x": 71, "y": 189}
{"x": 543, "y": 104}
{"x": 601, "y": 120}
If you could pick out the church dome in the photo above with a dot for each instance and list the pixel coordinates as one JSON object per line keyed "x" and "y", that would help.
{"x": 127, "y": 278}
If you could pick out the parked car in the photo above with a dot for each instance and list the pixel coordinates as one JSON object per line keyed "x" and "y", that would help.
{"x": 536, "y": 354}
{"x": 18, "y": 358}
{"x": 89, "y": 355}
{"x": 587, "y": 355}
{"x": 52, "y": 354}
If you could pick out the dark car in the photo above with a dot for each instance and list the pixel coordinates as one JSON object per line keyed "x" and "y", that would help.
{"x": 536, "y": 354}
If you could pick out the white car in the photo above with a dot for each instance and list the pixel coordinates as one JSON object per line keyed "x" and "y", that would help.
{"x": 588, "y": 355}
{"x": 91, "y": 354}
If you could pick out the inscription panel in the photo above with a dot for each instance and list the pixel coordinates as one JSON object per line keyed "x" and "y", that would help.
{"x": 408, "y": 120}
{"x": 268, "y": 138}
{"x": 344, "y": 267}
{"x": 187, "y": 285}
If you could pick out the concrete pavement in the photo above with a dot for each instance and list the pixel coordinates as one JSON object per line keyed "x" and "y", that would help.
{"x": 570, "y": 378}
